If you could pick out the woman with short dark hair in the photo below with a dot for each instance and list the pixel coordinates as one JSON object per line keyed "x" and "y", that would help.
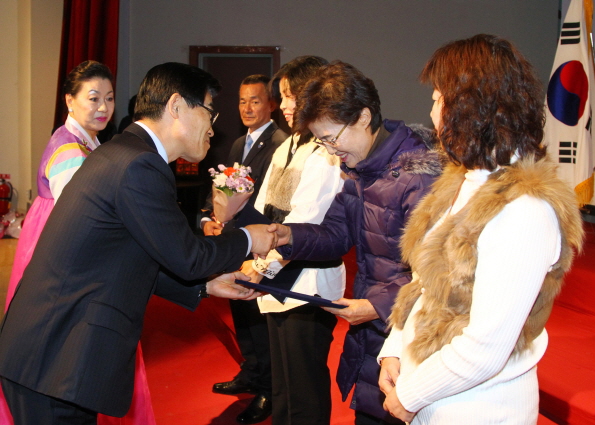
{"x": 390, "y": 170}
{"x": 488, "y": 246}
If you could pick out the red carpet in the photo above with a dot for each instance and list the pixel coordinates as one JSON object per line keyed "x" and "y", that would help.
{"x": 566, "y": 372}
{"x": 186, "y": 353}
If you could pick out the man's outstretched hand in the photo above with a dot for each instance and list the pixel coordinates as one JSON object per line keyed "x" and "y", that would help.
{"x": 224, "y": 286}
{"x": 262, "y": 240}
{"x": 212, "y": 228}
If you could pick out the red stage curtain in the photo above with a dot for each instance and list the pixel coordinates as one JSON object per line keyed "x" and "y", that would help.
{"x": 89, "y": 31}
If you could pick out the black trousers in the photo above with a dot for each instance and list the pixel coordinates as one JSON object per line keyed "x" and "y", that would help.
{"x": 252, "y": 335}
{"x": 300, "y": 343}
{"x": 32, "y": 408}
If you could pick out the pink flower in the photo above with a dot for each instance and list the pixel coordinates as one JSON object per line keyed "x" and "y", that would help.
{"x": 234, "y": 179}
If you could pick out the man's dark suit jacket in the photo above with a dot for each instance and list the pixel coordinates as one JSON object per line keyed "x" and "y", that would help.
{"x": 259, "y": 157}
{"x": 73, "y": 326}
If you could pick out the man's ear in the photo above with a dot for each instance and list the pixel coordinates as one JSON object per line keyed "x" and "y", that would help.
{"x": 173, "y": 105}
{"x": 272, "y": 105}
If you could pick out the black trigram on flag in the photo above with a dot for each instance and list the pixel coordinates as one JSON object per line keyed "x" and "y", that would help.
{"x": 571, "y": 33}
{"x": 567, "y": 153}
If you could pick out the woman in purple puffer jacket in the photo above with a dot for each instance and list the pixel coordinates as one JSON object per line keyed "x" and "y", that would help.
{"x": 390, "y": 169}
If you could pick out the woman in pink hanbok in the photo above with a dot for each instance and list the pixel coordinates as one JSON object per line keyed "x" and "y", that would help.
{"x": 89, "y": 95}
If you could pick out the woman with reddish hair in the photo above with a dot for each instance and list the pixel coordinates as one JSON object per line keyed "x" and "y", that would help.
{"x": 488, "y": 246}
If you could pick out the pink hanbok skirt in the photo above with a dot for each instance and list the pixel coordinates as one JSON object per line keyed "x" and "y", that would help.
{"x": 141, "y": 410}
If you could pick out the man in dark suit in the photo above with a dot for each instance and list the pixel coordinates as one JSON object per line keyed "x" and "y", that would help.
{"x": 115, "y": 237}
{"x": 255, "y": 149}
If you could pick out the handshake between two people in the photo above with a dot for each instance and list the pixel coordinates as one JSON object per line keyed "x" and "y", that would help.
{"x": 268, "y": 237}
{"x": 264, "y": 239}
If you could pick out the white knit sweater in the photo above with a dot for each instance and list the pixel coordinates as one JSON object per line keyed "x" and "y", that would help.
{"x": 474, "y": 379}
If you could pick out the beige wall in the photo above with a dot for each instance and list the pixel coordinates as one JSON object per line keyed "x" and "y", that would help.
{"x": 9, "y": 87}
{"x": 30, "y": 46}
{"x": 46, "y": 31}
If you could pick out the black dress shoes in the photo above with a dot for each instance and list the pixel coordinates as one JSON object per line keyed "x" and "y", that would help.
{"x": 257, "y": 411}
{"x": 233, "y": 387}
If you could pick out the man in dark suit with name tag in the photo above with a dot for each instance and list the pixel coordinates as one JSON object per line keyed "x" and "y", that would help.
{"x": 255, "y": 149}
{"x": 115, "y": 237}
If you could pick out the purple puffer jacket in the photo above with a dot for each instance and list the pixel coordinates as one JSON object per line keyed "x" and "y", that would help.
{"x": 370, "y": 213}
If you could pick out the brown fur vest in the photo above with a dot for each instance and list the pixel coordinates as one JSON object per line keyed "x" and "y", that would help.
{"x": 446, "y": 260}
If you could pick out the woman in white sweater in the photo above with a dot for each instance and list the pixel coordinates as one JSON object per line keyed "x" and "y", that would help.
{"x": 488, "y": 246}
{"x": 299, "y": 186}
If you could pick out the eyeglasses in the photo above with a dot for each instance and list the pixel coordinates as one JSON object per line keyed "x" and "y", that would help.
{"x": 213, "y": 115}
{"x": 332, "y": 142}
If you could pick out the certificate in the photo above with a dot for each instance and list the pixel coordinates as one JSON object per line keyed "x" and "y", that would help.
{"x": 321, "y": 302}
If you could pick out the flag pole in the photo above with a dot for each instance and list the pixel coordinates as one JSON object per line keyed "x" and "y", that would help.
{"x": 588, "y": 5}
{"x": 585, "y": 189}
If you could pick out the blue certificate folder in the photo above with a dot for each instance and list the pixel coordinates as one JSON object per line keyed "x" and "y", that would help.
{"x": 321, "y": 302}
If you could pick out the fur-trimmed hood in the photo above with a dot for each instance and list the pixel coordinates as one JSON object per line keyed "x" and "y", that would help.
{"x": 426, "y": 134}
{"x": 413, "y": 149}
{"x": 431, "y": 162}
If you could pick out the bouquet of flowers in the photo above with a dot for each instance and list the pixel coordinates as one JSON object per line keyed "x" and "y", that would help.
{"x": 232, "y": 187}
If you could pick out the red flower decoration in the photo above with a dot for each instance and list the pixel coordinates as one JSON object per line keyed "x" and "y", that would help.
{"x": 229, "y": 171}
